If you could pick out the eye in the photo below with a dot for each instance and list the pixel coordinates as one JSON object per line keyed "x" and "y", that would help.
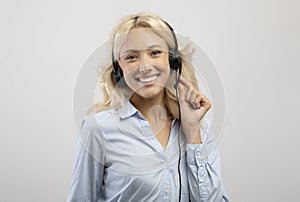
{"x": 131, "y": 58}
{"x": 156, "y": 52}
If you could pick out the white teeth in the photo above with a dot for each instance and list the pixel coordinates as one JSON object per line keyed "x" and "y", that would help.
{"x": 148, "y": 79}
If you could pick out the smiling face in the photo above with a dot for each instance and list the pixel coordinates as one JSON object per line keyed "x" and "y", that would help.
{"x": 144, "y": 59}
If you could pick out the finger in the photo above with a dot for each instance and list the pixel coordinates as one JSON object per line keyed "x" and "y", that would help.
{"x": 189, "y": 95}
{"x": 184, "y": 82}
{"x": 197, "y": 101}
{"x": 205, "y": 102}
{"x": 194, "y": 97}
{"x": 204, "y": 105}
{"x": 182, "y": 92}
{"x": 187, "y": 84}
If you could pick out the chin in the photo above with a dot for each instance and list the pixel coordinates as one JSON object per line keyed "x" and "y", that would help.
{"x": 150, "y": 92}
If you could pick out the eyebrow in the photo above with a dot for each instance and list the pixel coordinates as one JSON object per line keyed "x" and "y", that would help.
{"x": 155, "y": 46}
{"x": 149, "y": 48}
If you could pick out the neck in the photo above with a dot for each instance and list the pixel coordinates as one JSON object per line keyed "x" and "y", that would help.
{"x": 146, "y": 105}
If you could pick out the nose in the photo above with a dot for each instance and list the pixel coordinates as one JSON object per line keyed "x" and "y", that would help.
{"x": 145, "y": 64}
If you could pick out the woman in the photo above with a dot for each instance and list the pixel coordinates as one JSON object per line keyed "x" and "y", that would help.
{"x": 147, "y": 140}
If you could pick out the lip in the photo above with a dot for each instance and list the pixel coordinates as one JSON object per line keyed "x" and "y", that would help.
{"x": 147, "y": 80}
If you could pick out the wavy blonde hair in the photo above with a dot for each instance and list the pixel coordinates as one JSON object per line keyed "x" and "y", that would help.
{"x": 114, "y": 96}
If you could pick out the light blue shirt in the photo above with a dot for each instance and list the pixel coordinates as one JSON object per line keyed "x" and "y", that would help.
{"x": 118, "y": 158}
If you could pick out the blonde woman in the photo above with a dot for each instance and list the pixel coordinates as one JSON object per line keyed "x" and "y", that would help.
{"x": 147, "y": 139}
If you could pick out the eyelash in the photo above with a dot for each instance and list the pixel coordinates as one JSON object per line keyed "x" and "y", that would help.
{"x": 132, "y": 58}
{"x": 156, "y": 52}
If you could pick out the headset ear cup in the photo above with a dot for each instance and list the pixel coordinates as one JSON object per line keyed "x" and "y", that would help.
{"x": 171, "y": 61}
{"x": 117, "y": 72}
{"x": 175, "y": 61}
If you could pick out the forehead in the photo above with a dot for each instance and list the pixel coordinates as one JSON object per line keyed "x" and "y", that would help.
{"x": 141, "y": 39}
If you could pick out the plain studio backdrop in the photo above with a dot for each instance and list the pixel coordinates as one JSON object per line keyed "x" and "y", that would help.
{"x": 254, "y": 45}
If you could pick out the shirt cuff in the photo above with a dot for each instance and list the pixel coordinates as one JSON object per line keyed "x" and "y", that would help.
{"x": 195, "y": 153}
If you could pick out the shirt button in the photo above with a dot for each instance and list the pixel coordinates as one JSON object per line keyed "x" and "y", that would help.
{"x": 202, "y": 171}
{"x": 202, "y": 189}
{"x": 198, "y": 154}
{"x": 201, "y": 179}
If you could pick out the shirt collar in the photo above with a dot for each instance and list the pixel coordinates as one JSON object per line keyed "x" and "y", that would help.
{"x": 127, "y": 110}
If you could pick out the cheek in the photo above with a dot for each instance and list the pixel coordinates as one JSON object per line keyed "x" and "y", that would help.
{"x": 167, "y": 76}
{"x": 129, "y": 78}
{"x": 164, "y": 61}
{"x": 128, "y": 67}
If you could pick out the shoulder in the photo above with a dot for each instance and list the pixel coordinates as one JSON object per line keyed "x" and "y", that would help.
{"x": 97, "y": 120}
{"x": 93, "y": 127}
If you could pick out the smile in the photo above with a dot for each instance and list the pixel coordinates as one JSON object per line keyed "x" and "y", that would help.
{"x": 147, "y": 79}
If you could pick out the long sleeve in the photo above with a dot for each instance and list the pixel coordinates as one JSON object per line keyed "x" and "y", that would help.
{"x": 88, "y": 169}
{"x": 204, "y": 170}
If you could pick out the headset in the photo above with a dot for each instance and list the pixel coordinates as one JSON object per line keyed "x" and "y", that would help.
{"x": 175, "y": 60}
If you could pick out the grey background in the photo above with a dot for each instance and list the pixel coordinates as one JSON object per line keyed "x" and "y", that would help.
{"x": 254, "y": 45}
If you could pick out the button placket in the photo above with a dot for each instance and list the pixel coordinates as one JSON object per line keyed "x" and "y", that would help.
{"x": 201, "y": 173}
{"x": 174, "y": 175}
{"x": 167, "y": 185}
{"x": 203, "y": 190}
{"x": 166, "y": 193}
